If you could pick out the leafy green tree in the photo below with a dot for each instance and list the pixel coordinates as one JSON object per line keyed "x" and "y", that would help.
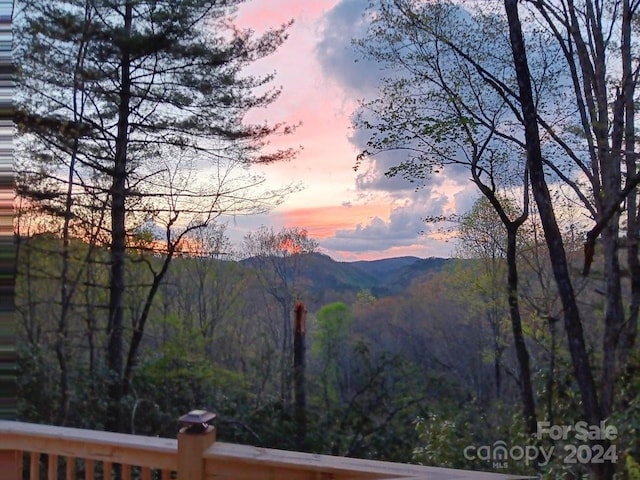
{"x": 332, "y": 345}
{"x": 482, "y": 236}
{"x": 207, "y": 287}
{"x": 436, "y": 106}
{"x": 573, "y": 86}
{"x": 608, "y": 128}
{"x": 179, "y": 376}
{"x": 442, "y": 442}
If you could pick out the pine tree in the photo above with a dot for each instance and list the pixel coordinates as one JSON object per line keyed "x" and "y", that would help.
{"x": 120, "y": 99}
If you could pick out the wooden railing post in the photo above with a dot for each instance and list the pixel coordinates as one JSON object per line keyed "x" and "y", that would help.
{"x": 11, "y": 464}
{"x": 195, "y": 436}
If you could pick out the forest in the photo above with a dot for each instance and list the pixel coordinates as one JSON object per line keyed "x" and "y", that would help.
{"x": 133, "y": 305}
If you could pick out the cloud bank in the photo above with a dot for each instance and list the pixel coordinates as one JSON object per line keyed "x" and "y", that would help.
{"x": 398, "y": 225}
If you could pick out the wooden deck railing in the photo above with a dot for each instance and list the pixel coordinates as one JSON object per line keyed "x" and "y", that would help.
{"x": 36, "y": 452}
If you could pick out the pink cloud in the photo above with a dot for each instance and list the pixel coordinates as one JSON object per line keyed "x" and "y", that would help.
{"x": 308, "y": 96}
{"x": 262, "y": 15}
{"x": 323, "y": 222}
{"x": 324, "y": 103}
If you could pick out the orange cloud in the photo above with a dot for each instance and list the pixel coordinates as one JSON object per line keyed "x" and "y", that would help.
{"x": 322, "y": 222}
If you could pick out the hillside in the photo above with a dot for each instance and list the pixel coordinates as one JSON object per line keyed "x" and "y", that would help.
{"x": 395, "y": 274}
{"x": 320, "y": 273}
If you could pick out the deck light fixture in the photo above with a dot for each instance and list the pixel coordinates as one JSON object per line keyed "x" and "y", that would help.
{"x": 196, "y": 421}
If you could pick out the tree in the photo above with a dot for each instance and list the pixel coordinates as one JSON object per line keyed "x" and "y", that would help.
{"x": 364, "y": 395}
{"x": 553, "y": 237}
{"x": 332, "y": 345}
{"x": 482, "y": 237}
{"x": 128, "y": 96}
{"x": 276, "y": 258}
{"x": 575, "y": 82}
{"x": 299, "y": 374}
{"x": 606, "y": 123}
{"x": 217, "y": 280}
{"x": 436, "y": 106}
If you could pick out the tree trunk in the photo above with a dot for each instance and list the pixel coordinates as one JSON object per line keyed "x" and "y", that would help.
{"x": 66, "y": 287}
{"x": 522, "y": 354}
{"x": 287, "y": 350}
{"x": 573, "y": 324}
{"x": 497, "y": 359}
{"x": 613, "y": 318}
{"x": 628, "y": 87}
{"x": 552, "y": 367}
{"x": 526, "y": 388}
{"x": 118, "y": 235}
{"x": 610, "y": 161}
{"x": 136, "y": 338}
{"x": 299, "y": 365}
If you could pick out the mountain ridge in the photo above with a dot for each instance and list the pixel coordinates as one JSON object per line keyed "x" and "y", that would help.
{"x": 387, "y": 276}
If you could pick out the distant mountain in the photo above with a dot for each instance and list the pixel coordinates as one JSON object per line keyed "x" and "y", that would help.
{"x": 385, "y": 267}
{"x": 418, "y": 270}
{"x": 324, "y": 272}
{"x": 395, "y": 274}
{"x": 389, "y": 276}
{"x": 321, "y": 271}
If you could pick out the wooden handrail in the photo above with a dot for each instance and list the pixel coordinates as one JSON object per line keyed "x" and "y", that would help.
{"x": 152, "y": 452}
{"x": 109, "y": 450}
{"x": 213, "y": 461}
{"x": 227, "y": 460}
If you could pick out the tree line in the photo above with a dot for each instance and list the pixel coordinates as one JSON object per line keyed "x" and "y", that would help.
{"x": 415, "y": 376}
{"x": 119, "y": 104}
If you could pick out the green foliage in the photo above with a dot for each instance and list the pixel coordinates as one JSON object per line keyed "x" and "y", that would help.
{"x": 331, "y": 345}
{"x": 178, "y": 377}
{"x": 365, "y": 297}
{"x": 627, "y": 417}
{"x": 37, "y": 393}
{"x": 386, "y": 361}
{"x": 384, "y": 394}
{"x": 442, "y": 442}
{"x": 332, "y": 328}
{"x": 633, "y": 468}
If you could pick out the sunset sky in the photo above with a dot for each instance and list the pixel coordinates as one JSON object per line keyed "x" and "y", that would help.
{"x": 353, "y": 215}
